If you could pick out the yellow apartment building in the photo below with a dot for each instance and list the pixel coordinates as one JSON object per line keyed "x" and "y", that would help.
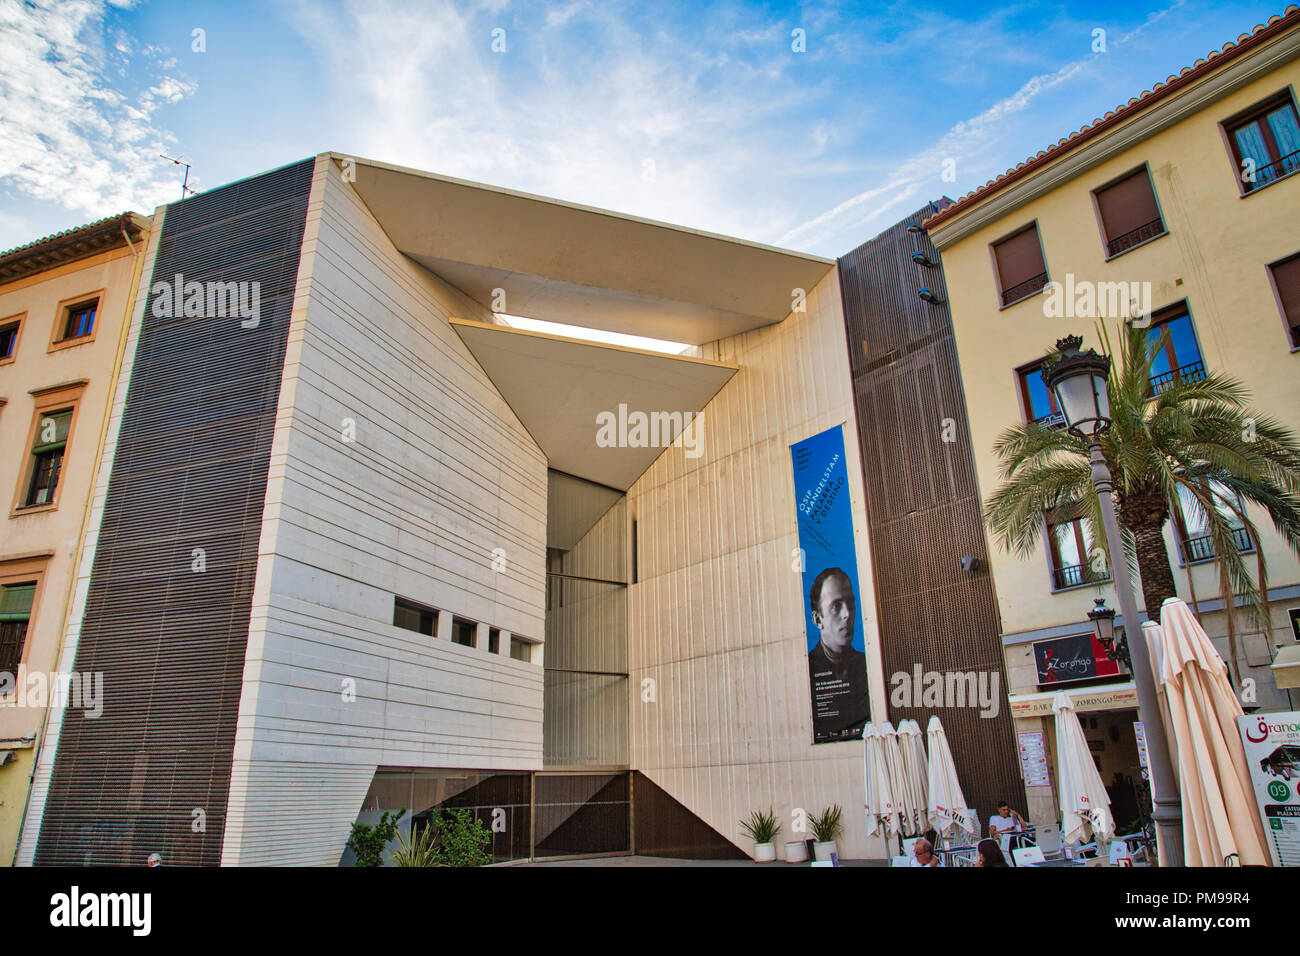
{"x": 63, "y": 305}
{"x": 1189, "y": 195}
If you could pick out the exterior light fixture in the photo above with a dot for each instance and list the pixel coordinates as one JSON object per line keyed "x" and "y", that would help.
{"x": 1078, "y": 380}
{"x": 921, "y": 259}
{"x": 914, "y": 227}
{"x": 1103, "y": 626}
{"x": 930, "y": 297}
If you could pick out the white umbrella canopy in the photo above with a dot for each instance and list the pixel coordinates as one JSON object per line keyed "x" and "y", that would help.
{"x": 1201, "y": 712}
{"x": 898, "y": 788}
{"x": 881, "y": 807}
{"x": 1085, "y": 805}
{"x": 947, "y": 805}
{"x": 911, "y": 746}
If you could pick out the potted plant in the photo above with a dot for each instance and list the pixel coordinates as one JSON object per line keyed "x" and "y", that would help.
{"x": 762, "y": 829}
{"x": 827, "y": 827}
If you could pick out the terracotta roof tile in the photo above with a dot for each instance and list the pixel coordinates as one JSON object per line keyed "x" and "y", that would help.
{"x": 1276, "y": 24}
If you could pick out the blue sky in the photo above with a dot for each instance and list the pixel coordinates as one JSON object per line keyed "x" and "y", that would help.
{"x": 702, "y": 115}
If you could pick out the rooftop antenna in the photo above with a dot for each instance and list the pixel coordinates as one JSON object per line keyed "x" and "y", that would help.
{"x": 185, "y": 186}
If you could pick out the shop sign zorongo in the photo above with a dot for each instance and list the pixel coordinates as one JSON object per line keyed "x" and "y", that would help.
{"x": 1272, "y": 743}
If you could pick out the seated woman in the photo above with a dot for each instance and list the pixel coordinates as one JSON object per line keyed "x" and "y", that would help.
{"x": 990, "y": 854}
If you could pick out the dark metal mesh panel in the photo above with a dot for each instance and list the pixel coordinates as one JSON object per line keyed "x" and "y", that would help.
{"x": 189, "y": 471}
{"x": 923, "y": 502}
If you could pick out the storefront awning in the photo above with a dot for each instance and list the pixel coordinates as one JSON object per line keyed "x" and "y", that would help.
{"x": 1103, "y": 697}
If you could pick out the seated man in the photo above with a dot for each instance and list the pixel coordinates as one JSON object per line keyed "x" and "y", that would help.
{"x": 1004, "y": 823}
{"x": 923, "y": 854}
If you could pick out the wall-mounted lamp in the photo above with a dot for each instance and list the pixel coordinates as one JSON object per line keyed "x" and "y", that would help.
{"x": 914, "y": 227}
{"x": 921, "y": 259}
{"x": 930, "y": 297}
{"x": 970, "y": 565}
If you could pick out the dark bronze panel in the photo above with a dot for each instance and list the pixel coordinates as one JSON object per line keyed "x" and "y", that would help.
{"x": 189, "y": 471}
{"x": 923, "y": 502}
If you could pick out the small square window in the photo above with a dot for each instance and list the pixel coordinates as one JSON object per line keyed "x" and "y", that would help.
{"x": 463, "y": 632}
{"x": 1021, "y": 271}
{"x": 78, "y": 320}
{"x": 1040, "y": 402}
{"x": 15, "y": 612}
{"x": 521, "y": 650}
{"x": 1286, "y": 279}
{"x": 415, "y": 617}
{"x": 494, "y": 640}
{"x": 1129, "y": 215}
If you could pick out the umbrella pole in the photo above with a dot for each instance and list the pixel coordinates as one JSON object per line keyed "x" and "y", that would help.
{"x": 1166, "y": 809}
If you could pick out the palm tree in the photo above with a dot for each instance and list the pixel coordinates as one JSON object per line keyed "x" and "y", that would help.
{"x": 1195, "y": 437}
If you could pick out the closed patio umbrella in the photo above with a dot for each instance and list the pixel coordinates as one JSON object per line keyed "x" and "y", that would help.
{"x": 1085, "y": 805}
{"x": 897, "y": 777}
{"x": 1218, "y": 801}
{"x": 881, "y": 807}
{"x": 947, "y": 805}
{"x": 911, "y": 745}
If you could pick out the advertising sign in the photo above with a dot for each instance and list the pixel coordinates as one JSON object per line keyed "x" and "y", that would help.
{"x": 1065, "y": 659}
{"x": 1272, "y": 743}
{"x": 837, "y": 660}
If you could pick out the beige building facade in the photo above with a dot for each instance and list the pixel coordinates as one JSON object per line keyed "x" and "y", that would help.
{"x": 63, "y": 305}
{"x": 1179, "y": 206}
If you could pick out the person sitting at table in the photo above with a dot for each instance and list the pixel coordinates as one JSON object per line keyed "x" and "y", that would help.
{"x": 990, "y": 854}
{"x": 923, "y": 854}
{"x": 1006, "y": 821}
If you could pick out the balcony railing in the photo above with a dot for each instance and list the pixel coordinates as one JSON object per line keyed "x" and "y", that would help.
{"x": 1191, "y": 372}
{"x": 1201, "y": 548}
{"x": 1274, "y": 170}
{"x": 1026, "y": 288}
{"x": 1051, "y": 420}
{"x": 1077, "y": 575}
{"x": 1135, "y": 237}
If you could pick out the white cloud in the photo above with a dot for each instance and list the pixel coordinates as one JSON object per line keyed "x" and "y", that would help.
{"x": 69, "y": 134}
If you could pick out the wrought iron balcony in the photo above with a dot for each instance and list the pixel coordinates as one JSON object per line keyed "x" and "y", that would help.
{"x": 1077, "y": 575}
{"x": 1142, "y": 233}
{"x": 1201, "y": 548}
{"x": 1024, "y": 289}
{"x": 1191, "y": 372}
{"x": 1051, "y": 420}
{"x": 1274, "y": 170}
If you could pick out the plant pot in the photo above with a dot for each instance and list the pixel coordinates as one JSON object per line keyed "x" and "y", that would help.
{"x": 764, "y": 852}
{"x": 796, "y": 852}
{"x": 823, "y": 851}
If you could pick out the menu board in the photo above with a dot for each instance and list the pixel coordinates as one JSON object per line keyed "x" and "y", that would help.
{"x": 1141, "y": 733}
{"x": 1033, "y": 759}
{"x": 1272, "y": 743}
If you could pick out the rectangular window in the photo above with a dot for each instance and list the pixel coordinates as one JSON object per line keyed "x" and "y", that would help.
{"x": 78, "y": 320}
{"x": 1074, "y": 558}
{"x": 1180, "y": 359}
{"x": 1194, "y": 541}
{"x": 494, "y": 640}
{"x": 1129, "y": 215}
{"x": 15, "y": 612}
{"x": 1040, "y": 403}
{"x": 521, "y": 650}
{"x": 46, "y": 461}
{"x": 1265, "y": 142}
{"x": 8, "y": 339}
{"x": 1286, "y": 280}
{"x": 463, "y": 632}
{"x": 1021, "y": 271}
{"x": 415, "y": 617}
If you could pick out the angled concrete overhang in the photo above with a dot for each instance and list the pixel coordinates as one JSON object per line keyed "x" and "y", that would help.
{"x": 578, "y": 265}
{"x": 564, "y": 390}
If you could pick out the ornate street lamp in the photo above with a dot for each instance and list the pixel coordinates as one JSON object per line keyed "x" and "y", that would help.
{"x": 1103, "y": 625}
{"x": 1078, "y": 380}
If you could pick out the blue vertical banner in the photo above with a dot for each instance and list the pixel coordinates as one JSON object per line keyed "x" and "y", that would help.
{"x": 837, "y": 660}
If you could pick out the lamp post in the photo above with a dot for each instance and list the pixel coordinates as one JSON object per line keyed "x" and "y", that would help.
{"x": 1078, "y": 380}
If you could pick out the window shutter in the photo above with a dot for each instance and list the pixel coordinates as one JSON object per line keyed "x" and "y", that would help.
{"x": 1128, "y": 205}
{"x": 16, "y": 602}
{"x": 1019, "y": 258}
{"x": 1286, "y": 276}
{"x": 60, "y": 432}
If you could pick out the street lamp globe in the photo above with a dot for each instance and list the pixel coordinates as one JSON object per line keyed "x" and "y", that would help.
{"x": 1078, "y": 380}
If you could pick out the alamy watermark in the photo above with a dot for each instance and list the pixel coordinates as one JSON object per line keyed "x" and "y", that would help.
{"x": 1083, "y": 299}
{"x": 635, "y": 429}
{"x": 193, "y": 300}
{"x": 39, "y": 689}
{"x": 921, "y": 688}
